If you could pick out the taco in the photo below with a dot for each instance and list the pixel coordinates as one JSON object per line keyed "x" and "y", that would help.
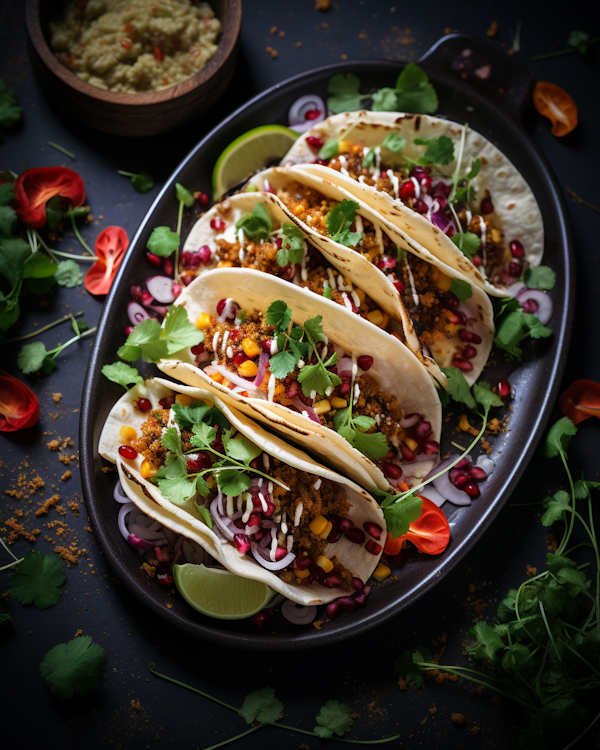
{"x": 443, "y": 183}
{"x": 261, "y": 508}
{"x": 440, "y": 314}
{"x": 306, "y": 367}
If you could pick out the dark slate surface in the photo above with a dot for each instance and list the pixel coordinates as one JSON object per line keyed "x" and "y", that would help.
{"x": 359, "y": 671}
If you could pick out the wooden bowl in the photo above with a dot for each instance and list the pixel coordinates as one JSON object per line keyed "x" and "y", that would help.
{"x": 133, "y": 114}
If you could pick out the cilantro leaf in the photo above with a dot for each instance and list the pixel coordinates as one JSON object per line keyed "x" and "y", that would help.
{"x": 372, "y": 445}
{"x": 458, "y": 387}
{"x": 10, "y": 111}
{"x": 516, "y": 326}
{"x": 204, "y": 512}
{"x": 345, "y": 93}
{"x": 232, "y": 482}
{"x": 122, "y": 374}
{"x": 203, "y": 435}
{"x": 540, "y": 277}
{"x": 385, "y": 100}
{"x": 281, "y": 364}
{"x": 257, "y": 225}
{"x": 339, "y": 220}
{"x": 462, "y": 289}
{"x": 279, "y": 315}
{"x": 142, "y": 182}
{"x": 313, "y": 327}
{"x": 171, "y": 440}
{"x": 557, "y": 507}
{"x": 172, "y": 480}
{"x": 439, "y": 150}
{"x": 8, "y": 215}
{"x": 475, "y": 169}
{"x": 487, "y": 642}
{"x": 415, "y": 93}
{"x": 394, "y": 142}
{"x": 316, "y": 378}
{"x": 407, "y": 665}
{"x": 292, "y": 247}
{"x": 192, "y": 414}
{"x": 203, "y": 489}
{"x": 183, "y": 195}
{"x": 152, "y": 343}
{"x": 329, "y": 149}
{"x": 38, "y": 580}
{"x": 39, "y": 266}
{"x": 579, "y": 40}
{"x": 485, "y": 396}
{"x": 73, "y": 668}
{"x": 13, "y": 253}
{"x": 399, "y": 515}
{"x": 467, "y": 242}
{"x": 163, "y": 242}
{"x": 327, "y": 291}
{"x": 31, "y": 357}
{"x": 68, "y": 274}
{"x": 242, "y": 449}
{"x": 334, "y": 717}
{"x": 262, "y": 706}
{"x": 178, "y": 331}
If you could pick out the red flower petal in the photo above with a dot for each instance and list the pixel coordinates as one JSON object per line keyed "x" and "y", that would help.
{"x": 34, "y": 188}
{"x": 110, "y": 249}
{"x": 19, "y": 406}
{"x": 581, "y": 400}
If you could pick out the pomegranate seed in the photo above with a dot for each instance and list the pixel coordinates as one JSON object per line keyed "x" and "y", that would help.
{"x": 280, "y": 553}
{"x": 335, "y": 521}
{"x": 164, "y": 579}
{"x": 391, "y": 471}
{"x": 421, "y": 207}
{"x": 506, "y": 278}
{"x": 451, "y": 301}
{"x": 319, "y": 161}
{"x": 487, "y": 206}
{"x": 367, "y": 590}
{"x": 333, "y": 610}
{"x": 462, "y": 364}
{"x": 314, "y": 142}
{"x": 530, "y": 306}
{"x": 357, "y": 584}
{"x": 407, "y": 190}
{"x": 154, "y": 260}
{"x": 469, "y": 352}
{"x": 205, "y": 253}
{"x": 423, "y": 429}
{"x": 258, "y": 535}
{"x": 345, "y": 524}
{"x": 347, "y": 603}
{"x": 242, "y": 543}
{"x": 332, "y": 580}
{"x": 517, "y": 249}
{"x": 198, "y": 349}
{"x": 477, "y": 260}
{"x": 465, "y": 335}
{"x": 399, "y": 286}
{"x": 504, "y": 388}
{"x": 203, "y": 199}
{"x": 472, "y": 491}
{"x": 464, "y": 463}
{"x": 334, "y": 536}
{"x": 372, "y": 547}
{"x": 190, "y": 260}
{"x": 365, "y": 362}
{"x": 266, "y": 345}
{"x": 129, "y": 329}
{"x": 424, "y": 181}
{"x": 128, "y": 452}
{"x": 270, "y": 509}
{"x": 359, "y": 599}
{"x": 302, "y": 562}
{"x": 167, "y": 402}
{"x": 407, "y": 454}
{"x": 417, "y": 170}
{"x": 218, "y": 225}
{"x": 355, "y": 535}
{"x": 239, "y": 358}
{"x": 239, "y": 524}
{"x": 260, "y": 618}
{"x": 431, "y": 447}
{"x": 163, "y": 554}
{"x": 136, "y": 293}
{"x": 167, "y": 266}
{"x": 187, "y": 279}
{"x": 176, "y": 288}
{"x": 192, "y": 466}
{"x": 147, "y": 298}
{"x": 344, "y": 388}
{"x": 144, "y": 404}
{"x": 477, "y": 474}
{"x": 253, "y": 520}
{"x": 372, "y": 529}
{"x": 312, "y": 114}
{"x": 459, "y": 478}
{"x": 515, "y": 269}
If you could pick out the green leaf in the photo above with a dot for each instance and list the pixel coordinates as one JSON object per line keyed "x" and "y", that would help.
{"x": 262, "y": 706}
{"x": 555, "y": 562}
{"x": 333, "y": 718}
{"x": 7, "y": 193}
{"x": 142, "y": 182}
{"x": 313, "y": 327}
{"x": 242, "y": 449}
{"x": 385, "y": 100}
{"x": 73, "y": 668}
{"x": 203, "y": 435}
{"x": 467, "y": 242}
{"x": 192, "y": 414}
{"x": 279, "y": 315}
{"x": 204, "y": 512}
{"x": 10, "y": 111}
{"x": 407, "y": 665}
{"x": 369, "y": 158}
{"x": 475, "y": 169}
{"x": 439, "y": 150}
{"x": 329, "y": 149}
{"x": 171, "y": 440}
{"x": 515, "y": 326}
{"x": 516, "y": 658}
{"x": 173, "y": 482}
{"x": 122, "y": 374}
{"x": 8, "y": 215}
{"x": 415, "y": 93}
{"x": 203, "y": 489}
{"x": 364, "y": 423}
{"x": 54, "y": 213}
{"x": 69, "y": 274}
{"x": 39, "y": 266}
{"x": 257, "y": 225}
{"x": 557, "y": 508}
{"x": 232, "y": 481}
{"x": 163, "y": 242}
{"x": 462, "y": 289}
{"x": 339, "y": 220}
{"x": 394, "y": 142}
{"x": 31, "y": 357}
{"x": 552, "y": 595}
{"x": 317, "y": 378}
{"x": 281, "y": 364}
{"x": 372, "y": 445}
{"x": 13, "y": 253}
{"x": 292, "y": 246}
{"x": 506, "y": 608}
{"x": 559, "y": 437}
{"x": 575, "y": 580}
{"x": 539, "y": 277}
{"x": 179, "y": 333}
{"x": 345, "y": 96}
{"x": 38, "y": 580}
{"x": 459, "y": 388}
{"x": 488, "y": 642}
{"x": 76, "y": 212}
{"x": 41, "y": 286}
{"x": 183, "y": 195}
{"x": 579, "y": 40}
{"x": 327, "y": 291}
{"x": 399, "y": 515}
{"x": 484, "y": 395}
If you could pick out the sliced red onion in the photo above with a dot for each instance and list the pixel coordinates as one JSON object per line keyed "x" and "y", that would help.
{"x": 269, "y": 564}
{"x": 124, "y": 510}
{"x": 432, "y": 494}
{"x": 266, "y": 523}
{"x": 410, "y": 420}
{"x": 139, "y": 543}
{"x": 266, "y": 539}
{"x": 514, "y": 289}
{"x": 262, "y": 368}
{"x": 236, "y": 515}
{"x": 486, "y": 463}
{"x": 161, "y": 288}
{"x": 544, "y": 303}
{"x": 441, "y": 221}
{"x": 311, "y": 413}
{"x": 344, "y": 366}
{"x": 441, "y": 467}
{"x": 297, "y": 614}
{"x": 250, "y": 530}
{"x": 160, "y": 310}
{"x": 118, "y": 493}
{"x": 298, "y": 110}
{"x": 224, "y": 527}
{"x": 149, "y": 534}
{"x": 192, "y": 552}
{"x": 136, "y": 313}
{"x": 445, "y": 487}
{"x": 246, "y": 385}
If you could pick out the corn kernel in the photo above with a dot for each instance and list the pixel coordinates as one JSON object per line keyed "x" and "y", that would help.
{"x": 322, "y": 407}
{"x": 496, "y": 236}
{"x": 248, "y": 369}
{"x": 372, "y": 253}
{"x": 203, "y": 321}
{"x": 327, "y": 530}
{"x": 339, "y": 403}
{"x": 385, "y": 320}
{"x": 464, "y": 425}
{"x": 250, "y": 348}
{"x": 210, "y": 481}
{"x": 381, "y": 573}
{"x": 147, "y": 470}
{"x": 184, "y": 399}
{"x": 344, "y": 147}
{"x": 412, "y": 444}
{"x": 443, "y": 282}
{"x": 298, "y": 209}
{"x": 279, "y": 389}
{"x": 361, "y": 295}
{"x": 217, "y": 377}
{"x": 302, "y": 573}
{"x": 376, "y": 317}
{"x": 225, "y": 264}
{"x": 318, "y": 525}
{"x": 324, "y": 563}
{"x": 127, "y": 434}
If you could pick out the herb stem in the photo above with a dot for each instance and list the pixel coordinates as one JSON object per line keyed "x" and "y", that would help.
{"x": 11, "y": 564}
{"x": 82, "y": 242}
{"x": 126, "y": 174}
{"x": 34, "y": 233}
{"x": 568, "y": 51}
{"x": 585, "y": 731}
{"x": 55, "y": 352}
{"x": 62, "y": 150}
{"x": 75, "y": 257}
{"x": 237, "y": 737}
{"x": 11, "y": 553}
{"x": 336, "y": 739}
{"x": 456, "y": 175}
{"x": 152, "y": 666}
{"x": 45, "y": 328}
{"x": 179, "y": 221}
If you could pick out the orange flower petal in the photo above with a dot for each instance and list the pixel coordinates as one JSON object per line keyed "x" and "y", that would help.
{"x": 581, "y": 400}
{"x": 554, "y": 103}
{"x": 110, "y": 249}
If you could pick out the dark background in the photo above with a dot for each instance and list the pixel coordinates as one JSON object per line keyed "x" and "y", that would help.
{"x": 360, "y": 671}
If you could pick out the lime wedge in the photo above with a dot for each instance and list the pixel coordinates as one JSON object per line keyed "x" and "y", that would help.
{"x": 219, "y": 593}
{"x": 248, "y": 154}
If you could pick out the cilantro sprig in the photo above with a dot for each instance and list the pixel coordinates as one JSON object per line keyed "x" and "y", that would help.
{"x": 35, "y": 356}
{"x": 122, "y": 374}
{"x": 578, "y": 41}
{"x": 257, "y": 225}
{"x": 339, "y": 220}
{"x": 393, "y": 142}
{"x": 141, "y": 182}
{"x": 163, "y": 241}
{"x": 292, "y": 245}
{"x": 152, "y": 342}
{"x": 73, "y": 668}
{"x": 39, "y": 580}
{"x": 513, "y": 326}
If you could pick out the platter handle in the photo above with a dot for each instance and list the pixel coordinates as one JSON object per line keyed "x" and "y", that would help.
{"x": 490, "y": 72}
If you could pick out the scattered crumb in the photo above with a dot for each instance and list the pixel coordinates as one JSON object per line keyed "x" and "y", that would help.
{"x": 78, "y": 632}
{"x": 324, "y": 25}
{"x": 110, "y": 469}
{"x": 150, "y": 569}
{"x": 273, "y": 29}
{"x": 474, "y": 731}
{"x": 458, "y": 719}
{"x": 53, "y": 445}
{"x": 136, "y": 705}
{"x": 56, "y": 397}
{"x": 363, "y": 35}
{"x": 344, "y": 57}
{"x": 67, "y": 554}
{"x": 433, "y": 710}
{"x": 493, "y": 30}
{"x": 298, "y": 44}
{"x": 401, "y": 683}
{"x": 66, "y": 475}
{"x": 50, "y": 503}
{"x": 272, "y": 52}
{"x": 19, "y": 530}
{"x": 486, "y": 446}
{"x": 322, "y": 5}
{"x": 317, "y": 624}
{"x": 531, "y": 570}
{"x": 282, "y": 34}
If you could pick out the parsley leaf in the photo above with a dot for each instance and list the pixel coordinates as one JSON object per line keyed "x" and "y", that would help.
{"x": 487, "y": 642}
{"x": 257, "y": 225}
{"x": 329, "y": 149}
{"x": 467, "y": 242}
{"x": 292, "y": 246}
{"x": 540, "y": 277}
{"x": 439, "y": 150}
{"x": 68, "y": 274}
{"x": 10, "y": 111}
{"x": 462, "y": 289}
{"x": 73, "y": 668}
{"x": 407, "y": 665}
{"x": 399, "y": 515}
{"x": 557, "y": 507}
{"x": 345, "y": 93}
{"x": 183, "y": 195}
{"x": 327, "y": 291}
{"x": 281, "y": 364}
{"x": 333, "y": 717}
{"x": 458, "y": 387}
{"x": 163, "y": 242}
{"x": 279, "y": 315}
{"x": 558, "y": 437}
{"x": 262, "y": 706}
{"x": 38, "y": 580}
{"x": 122, "y": 374}
{"x": 339, "y": 220}
{"x": 415, "y": 93}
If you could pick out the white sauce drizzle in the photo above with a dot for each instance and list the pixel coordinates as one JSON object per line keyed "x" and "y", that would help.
{"x": 361, "y": 179}
{"x": 469, "y": 216}
{"x": 290, "y": 543}
{"x": 229, "y": 353}
{"x": 267, "y": 463}
{"x": 224, "y": 344}
{"x": 273, "y": 545}
{"x": 284, "y": 527}
{"x": 304, "y": 413}
{"x": 376, "y": 170}
{"x": 271, "y": 388}
{"x": 355, "y": 299}
{"x": 303, "y": 271}
{"x": 317, "y": 484}
{"x": 263, "y": 502}
{"x": 298, "y": 513}
{"x": 412, "y": 284}
{"x": 482, "y": 229}
{"x": 395, "y": 182}
{"x": 343, "y": 164}
{"x": 227, "y": 310}
{"x": 378, "y": 418}
{"x": 347, "y": 301}
{"x": 379, "y": 237}
{"x": 273, "y": 348}
{"x": 241, "y": 241}
{"x": 270, "y": 484}
{"x": 358, "y": 223}
{"x": 249, "y": 507}
{"x": 329, "y": 390}
{"x": 313, "y": 395}
{"x": 415, "y": 182}
{"x": 331, "y": 278}
{"x": 356, "y": 393}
